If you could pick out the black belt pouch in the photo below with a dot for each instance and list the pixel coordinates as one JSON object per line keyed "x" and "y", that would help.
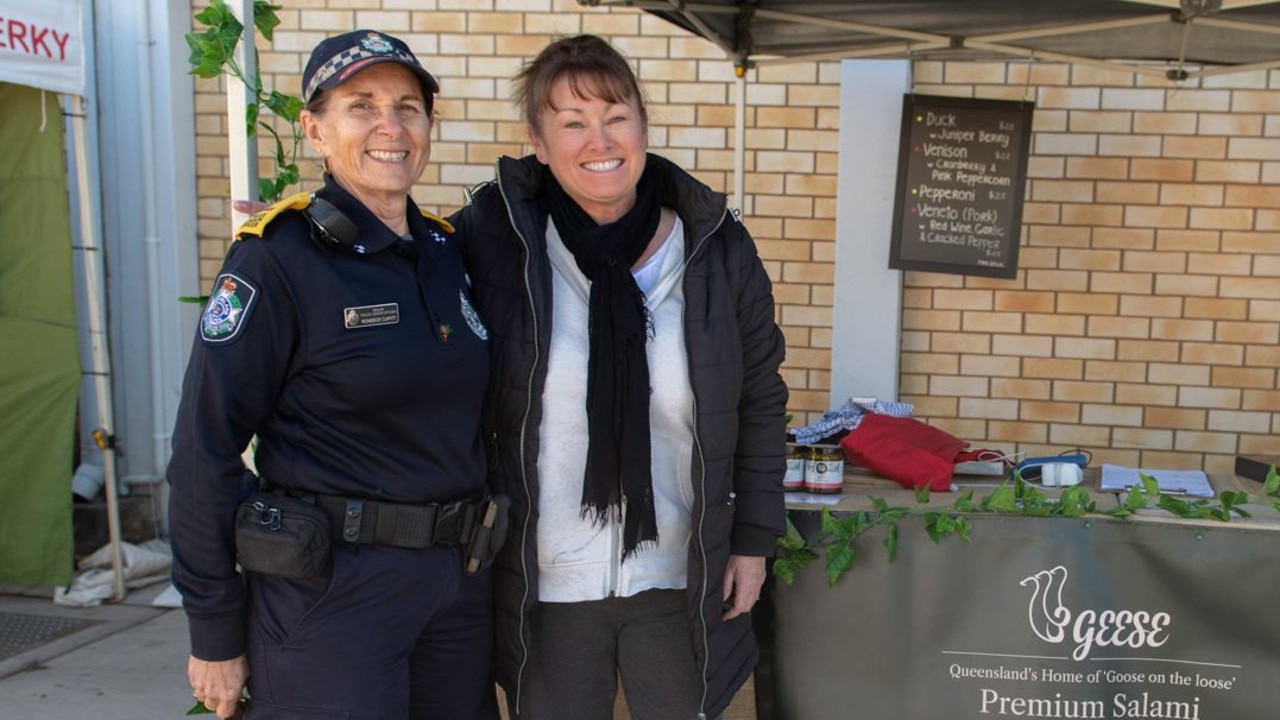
{"x": 281, "y": 535}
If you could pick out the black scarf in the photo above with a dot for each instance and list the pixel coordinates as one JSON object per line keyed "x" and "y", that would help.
{"x": 618, "y": 452}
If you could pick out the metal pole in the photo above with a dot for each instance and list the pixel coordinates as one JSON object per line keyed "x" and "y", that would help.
{"x": 739, "y": 140}
{"x": 92, "y": 257}
{"x": 84, "y": 148}
{"x": 242, "y": 141}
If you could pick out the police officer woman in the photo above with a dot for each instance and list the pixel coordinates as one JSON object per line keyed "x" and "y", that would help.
{"x": 340, "y": 333}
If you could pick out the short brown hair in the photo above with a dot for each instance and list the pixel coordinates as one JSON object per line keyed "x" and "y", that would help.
{"x": 593, "y": 68}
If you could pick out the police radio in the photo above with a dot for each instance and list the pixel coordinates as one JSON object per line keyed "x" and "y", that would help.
{"x": 333, "y": 228}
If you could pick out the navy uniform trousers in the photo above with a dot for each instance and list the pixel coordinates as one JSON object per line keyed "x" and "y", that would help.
{"x": 389, "y": 634}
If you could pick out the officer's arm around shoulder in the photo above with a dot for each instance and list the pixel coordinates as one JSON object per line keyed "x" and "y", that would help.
{"x": 480, "y": 199}
{"x": 257, "y": 223}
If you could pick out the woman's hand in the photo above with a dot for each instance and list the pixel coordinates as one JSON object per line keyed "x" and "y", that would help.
{"x": 218, "y": 684}
{"x": 743, "y": 578}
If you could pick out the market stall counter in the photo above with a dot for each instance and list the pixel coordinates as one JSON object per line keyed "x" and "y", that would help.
{"x": 1092, "y": 616}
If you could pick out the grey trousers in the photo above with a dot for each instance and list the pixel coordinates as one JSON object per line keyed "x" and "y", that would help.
{"x": 581, "y": 650}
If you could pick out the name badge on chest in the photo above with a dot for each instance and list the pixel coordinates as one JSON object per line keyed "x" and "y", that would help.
{"x": 354, "y": 318}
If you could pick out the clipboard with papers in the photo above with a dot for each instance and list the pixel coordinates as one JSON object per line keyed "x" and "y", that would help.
{"x": 1117, "y": 478}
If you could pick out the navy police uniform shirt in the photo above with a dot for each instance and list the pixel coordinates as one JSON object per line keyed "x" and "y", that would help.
{"x": 361, "y": 370}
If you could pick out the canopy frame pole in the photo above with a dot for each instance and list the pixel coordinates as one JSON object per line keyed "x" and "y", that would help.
{"x": 1227, "y": 24}
{"x": 94, "y": 292}
{"x": 894, "y": 51}
{"x": 1225, "y": 4}
{"x": 77, "y": 110}
{"x": 855, "y": 26}
{"x": 740, "y": 139}
{"x": 1231, "y": 69}
{"x": 242, "y": 140}
{"x": 1075, "y": 59}
{"x": 703, "y": 29}
{"x": 1074, "y": 29}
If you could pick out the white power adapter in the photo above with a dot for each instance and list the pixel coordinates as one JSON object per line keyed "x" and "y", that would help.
{"x": 1060, "y": 474}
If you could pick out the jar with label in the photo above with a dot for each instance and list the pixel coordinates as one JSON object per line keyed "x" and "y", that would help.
{"x": 824, "y": 473}
{"x": 793, "y": 481}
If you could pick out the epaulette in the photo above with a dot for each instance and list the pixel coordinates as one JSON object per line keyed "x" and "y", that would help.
{"x": 259, "y": 220}
{"x": 437, "y": 220}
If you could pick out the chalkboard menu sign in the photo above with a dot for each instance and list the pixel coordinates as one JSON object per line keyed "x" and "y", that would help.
{"x": 962, "y": 166}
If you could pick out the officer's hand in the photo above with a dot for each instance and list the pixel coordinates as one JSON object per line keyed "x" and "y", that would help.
{"x": 743, "y": 578}
{"x": 218, "y": 684}
{"x": 248, "y": 207}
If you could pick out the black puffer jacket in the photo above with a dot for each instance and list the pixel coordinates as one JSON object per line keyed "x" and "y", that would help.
{"x": 734, "y": 348}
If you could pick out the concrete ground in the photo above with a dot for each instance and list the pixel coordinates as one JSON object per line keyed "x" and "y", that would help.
{"x": 129, "y": 664}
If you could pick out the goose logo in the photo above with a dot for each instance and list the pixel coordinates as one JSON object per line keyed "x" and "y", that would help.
{"x": 1055, "y": 623}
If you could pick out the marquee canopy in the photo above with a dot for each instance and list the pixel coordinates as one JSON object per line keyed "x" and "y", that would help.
{"x": 1206, "y": 36}
{"x": 42, "y": 45}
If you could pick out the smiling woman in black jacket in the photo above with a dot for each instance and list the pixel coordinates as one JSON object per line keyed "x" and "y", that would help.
{"x": 635, "y": 412}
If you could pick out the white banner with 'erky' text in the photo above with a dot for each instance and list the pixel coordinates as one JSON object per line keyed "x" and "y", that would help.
{"x": 42, "y": 44}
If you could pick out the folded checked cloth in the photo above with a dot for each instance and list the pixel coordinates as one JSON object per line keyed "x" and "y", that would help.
{"x": 847, "y": 417}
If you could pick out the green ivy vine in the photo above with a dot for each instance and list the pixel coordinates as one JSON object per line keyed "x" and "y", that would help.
{"x": 837, "y": 543}
{"x": 213, "y": 53}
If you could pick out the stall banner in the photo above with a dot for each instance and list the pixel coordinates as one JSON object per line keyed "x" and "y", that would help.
{"x": 39, "y": 357}
{"x": 1038, "y": 618}
{"x": 42, "y": 45}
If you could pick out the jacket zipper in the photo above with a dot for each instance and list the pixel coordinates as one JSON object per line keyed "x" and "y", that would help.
{"x": 702, "y": 551}
{"x": 524, "y": 428}
{"x": 702, "y": 517}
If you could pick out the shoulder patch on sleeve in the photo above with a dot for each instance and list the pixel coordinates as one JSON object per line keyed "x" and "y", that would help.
{"x": 229, "y": 305}
{"x": 259, "y": 220}
{"x": 438, "y": 220}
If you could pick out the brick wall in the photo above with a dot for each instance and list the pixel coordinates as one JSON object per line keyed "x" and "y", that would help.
{"x": 1143, "y": 325}
{"x": 1144, "y": 321}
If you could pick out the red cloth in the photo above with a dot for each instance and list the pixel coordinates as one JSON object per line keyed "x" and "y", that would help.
{"x": 908, "y": 451}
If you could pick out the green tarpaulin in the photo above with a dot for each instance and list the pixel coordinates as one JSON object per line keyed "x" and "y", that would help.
{"x": 39, "y": 365}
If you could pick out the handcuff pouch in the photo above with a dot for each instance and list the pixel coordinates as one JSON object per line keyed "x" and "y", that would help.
{"x": 277, "y": 534}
